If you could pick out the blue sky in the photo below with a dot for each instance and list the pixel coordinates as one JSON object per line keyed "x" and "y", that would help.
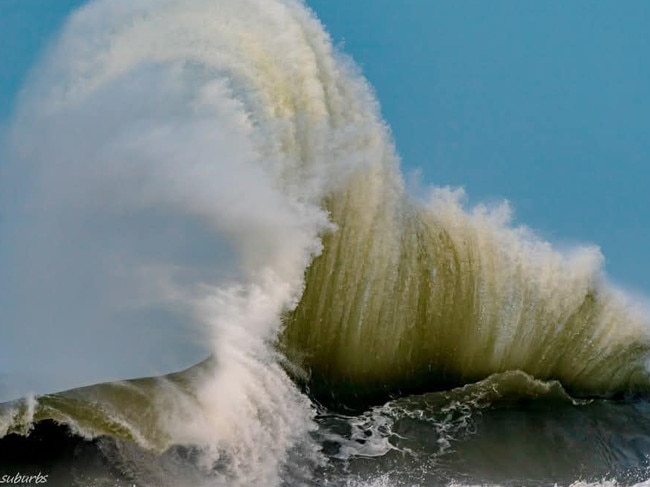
{"x": 542, "y": 103}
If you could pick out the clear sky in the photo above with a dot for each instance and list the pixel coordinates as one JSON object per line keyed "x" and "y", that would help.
{"x": 545, "y": 104}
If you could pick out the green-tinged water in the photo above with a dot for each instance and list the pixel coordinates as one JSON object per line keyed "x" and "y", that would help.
{"x": 408, "y": 297}
{"x": 130, "y": 410}
{"x": 214, "y": 171}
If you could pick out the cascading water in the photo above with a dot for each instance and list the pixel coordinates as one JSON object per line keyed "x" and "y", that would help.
{"x": 209, "y": 181}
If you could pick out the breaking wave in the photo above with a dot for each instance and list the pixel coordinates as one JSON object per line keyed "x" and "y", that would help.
{"x": 192, "y": 178}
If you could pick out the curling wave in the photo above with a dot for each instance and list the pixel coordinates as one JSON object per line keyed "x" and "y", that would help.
{"x": 213, "y": 169}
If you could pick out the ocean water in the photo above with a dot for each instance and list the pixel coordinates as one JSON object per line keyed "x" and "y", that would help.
{"x": 207, "y": 185}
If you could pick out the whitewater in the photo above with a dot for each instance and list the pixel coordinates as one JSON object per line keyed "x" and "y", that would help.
{"x": 208, "y": 246}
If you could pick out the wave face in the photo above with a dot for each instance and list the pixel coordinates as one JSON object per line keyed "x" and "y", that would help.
{"x": 412, "y": 296}
{"x": 215, "y": 163}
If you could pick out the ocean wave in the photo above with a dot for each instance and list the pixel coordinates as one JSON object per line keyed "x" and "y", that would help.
{"x": 214, "y": 176}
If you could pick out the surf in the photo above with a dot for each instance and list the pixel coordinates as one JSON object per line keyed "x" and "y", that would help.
{"x": 191, "y": 179}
